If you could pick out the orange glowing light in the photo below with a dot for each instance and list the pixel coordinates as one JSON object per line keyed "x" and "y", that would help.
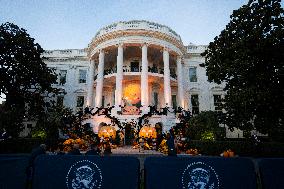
{"x": 147, "y": 131}
{"x": 132, "y": 94}
{"x": 107, "y": 132}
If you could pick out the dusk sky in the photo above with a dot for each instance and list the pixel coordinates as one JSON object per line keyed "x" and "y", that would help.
{"x": 69, "y": 24}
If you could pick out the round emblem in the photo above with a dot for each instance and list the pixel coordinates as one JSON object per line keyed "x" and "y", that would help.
{"x": 198, "y": 175}
{"x": 84, "y": 175}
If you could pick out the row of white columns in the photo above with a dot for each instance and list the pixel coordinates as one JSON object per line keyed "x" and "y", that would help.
{"x": 144, "y": 79}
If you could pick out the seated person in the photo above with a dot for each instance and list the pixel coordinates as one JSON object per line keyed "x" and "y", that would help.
{"x": 75, "y": 150}
{"x": 94, "y": 150}
{"x": 59, "y": 150}
{"x": 107, "y": 148}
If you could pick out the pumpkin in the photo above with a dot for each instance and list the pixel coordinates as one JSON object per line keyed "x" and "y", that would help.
{"x": 225, "y": 154}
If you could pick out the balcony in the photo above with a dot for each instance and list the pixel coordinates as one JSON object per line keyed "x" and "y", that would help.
{"x": 137, "y": 69}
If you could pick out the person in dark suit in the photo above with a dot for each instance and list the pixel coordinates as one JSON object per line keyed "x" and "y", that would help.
{"x": 93, "y": 151}
{"x": 59, "y": 150}
{"x": 30, "y": 169}
{"x": 171, "y": 145}
{"x": 107, "y": 148}
{"x": 75, "y": 150}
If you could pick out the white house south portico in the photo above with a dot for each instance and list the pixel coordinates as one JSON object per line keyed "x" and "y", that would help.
{"x": 137, "y": 65}
{"x": 133, "y": 66}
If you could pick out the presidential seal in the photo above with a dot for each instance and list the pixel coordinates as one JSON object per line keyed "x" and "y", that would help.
{"x": 198, "y": 175}
{"x": 84, "y": 175}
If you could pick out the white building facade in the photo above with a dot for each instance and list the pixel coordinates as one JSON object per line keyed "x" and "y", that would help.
{"x": 131, "y": 66}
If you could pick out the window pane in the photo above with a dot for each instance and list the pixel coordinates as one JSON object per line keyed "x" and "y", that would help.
{"x": 192, "y": 75}
{"x": 62, "y": 77}
{"x": 82, "y": 76}
{"x": 156, "y": 99}
{"x": 195, "y": 104}
{"x": 174, "y": 101}
{"x": 217, "y": 102}
{"x": 80, "y": 101}
{"x": 134, "y": 66}
{"x": 103, "y": 101}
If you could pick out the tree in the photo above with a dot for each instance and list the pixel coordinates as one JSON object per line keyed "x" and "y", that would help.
{"x": 24, "y": 77}
{"x": 204, "y": 126}
{"x": 248, "y": 57}
{"x": 53, "y": 119}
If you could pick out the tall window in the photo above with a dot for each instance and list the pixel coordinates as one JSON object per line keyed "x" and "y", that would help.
{"x": 195, "y": 104}
{"x": 156, "y": 99}
{"x": 80, "y": 101}
{"x": 62, "y": 77}
{"x": 60, "y": 100}
{"x": 217, "y": 103}
{"x": 192, "y": 74}
{"x": 103, "y": 101}
{"x": 113, "y": 98}
{"x": 174, "y": 101}
{"x": 82, "y": 76}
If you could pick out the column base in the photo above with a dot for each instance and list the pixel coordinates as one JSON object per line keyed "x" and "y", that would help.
{"x": 117, "y": 110}
{"x": 145, "y": 110}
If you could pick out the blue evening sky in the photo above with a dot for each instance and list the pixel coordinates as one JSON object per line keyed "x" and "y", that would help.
{"x": 67, "y": 24}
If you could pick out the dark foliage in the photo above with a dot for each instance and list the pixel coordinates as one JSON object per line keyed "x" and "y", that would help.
{"x": 203, "y": 123}
{"x": 248, "y": 56}
{"x": 24, "y": 77}
{"x": 241, "y": 148}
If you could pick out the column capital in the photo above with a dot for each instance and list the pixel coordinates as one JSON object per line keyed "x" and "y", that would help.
{"x": 165, "y": 48}
{"x": 144, "y": 44}
{"x": 120, "y": 44}
{"x": 101, "y": 50}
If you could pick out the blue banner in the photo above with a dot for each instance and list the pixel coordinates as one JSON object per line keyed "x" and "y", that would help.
{"x": 86, "y": 172}
{"x": 13, "y": 170}
{"x": 272, "y": 173}
{"x": 199, "y": 173}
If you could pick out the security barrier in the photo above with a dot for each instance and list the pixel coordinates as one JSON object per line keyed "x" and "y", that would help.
{"x": 13, "y": 171}
{"x": 86, "y": 172}
{"x": 271, "y": 173}
{"x": 199, "y": 172}
{"x": 107, "y": 172}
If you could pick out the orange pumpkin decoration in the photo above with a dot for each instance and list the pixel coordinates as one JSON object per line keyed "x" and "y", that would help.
{"x": 226, "y": 154}
{"x": 231, "y": 153}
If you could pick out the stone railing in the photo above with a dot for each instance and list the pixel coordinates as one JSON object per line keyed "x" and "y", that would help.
{"x": 196, "y": 49}
{"x": 65, "y": 53}
{"x": 138, "y": 24}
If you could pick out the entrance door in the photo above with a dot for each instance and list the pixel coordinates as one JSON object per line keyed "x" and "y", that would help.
{"x": 134, "y": 66}
{"x": 128, "y": 135}
{"x": 174, "y": 101}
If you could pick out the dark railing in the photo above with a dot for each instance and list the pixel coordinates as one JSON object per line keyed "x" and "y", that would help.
{"x": 109, "y": 71}
{"x": 152, "y": 69}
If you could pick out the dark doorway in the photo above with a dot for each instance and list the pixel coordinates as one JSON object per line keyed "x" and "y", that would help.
{"x": 174, "y": 101}
{"x": 129, "y": 134}
{"x": 159, "y": 130}
{"x": 135, "y": 66}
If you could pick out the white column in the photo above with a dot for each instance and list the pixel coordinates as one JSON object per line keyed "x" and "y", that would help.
{"x": 90, "y": 83}
{"x": 180, "y": 83}
{"x": 100, "y": 79}
{"x": 144, "y": 78}
{"x": 167, "y": 81}
{"x": 119, "y": 76}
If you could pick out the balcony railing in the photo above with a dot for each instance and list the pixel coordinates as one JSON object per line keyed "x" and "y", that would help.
{"x": 138, "y": 24}
{"x": 153, "y": 69}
